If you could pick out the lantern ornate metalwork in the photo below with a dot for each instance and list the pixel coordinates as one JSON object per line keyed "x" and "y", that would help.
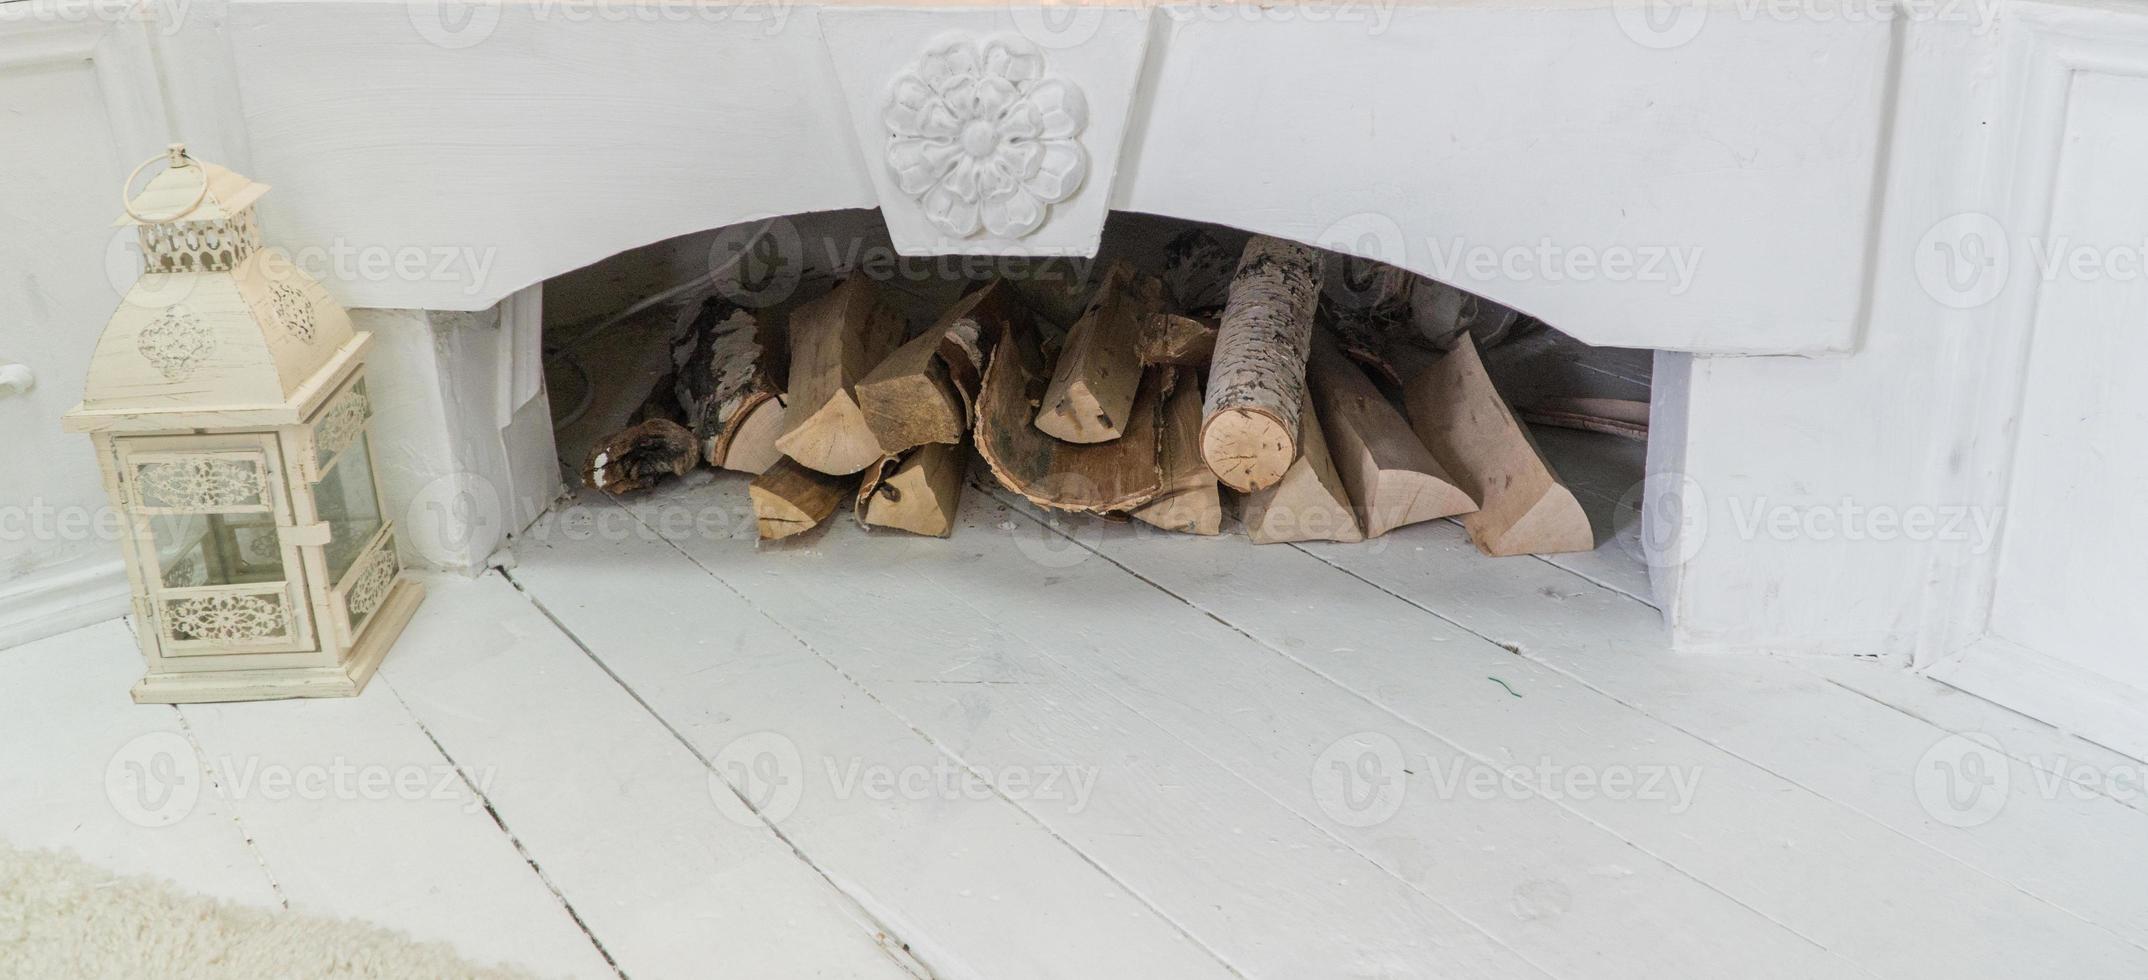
{"x": 227, "y": 401}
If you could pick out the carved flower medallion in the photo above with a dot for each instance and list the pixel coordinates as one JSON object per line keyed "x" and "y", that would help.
{"x": 983, "y": 138}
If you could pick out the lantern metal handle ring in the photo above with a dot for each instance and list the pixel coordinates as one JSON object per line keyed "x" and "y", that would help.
{"x": 175, "y": 158}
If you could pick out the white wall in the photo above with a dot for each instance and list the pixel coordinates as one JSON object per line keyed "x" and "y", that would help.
{"x": 75, "y": 116}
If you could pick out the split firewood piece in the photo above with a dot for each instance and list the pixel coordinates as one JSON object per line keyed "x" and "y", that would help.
{"x": 1095, "y": 477}
{"x": 727, "y": 379}
{"x": 791, "y": 499}
{"x": 749, "y": 445}
{"x": 1099, "y": 370}
{"x": 919, "y": 494}
{"x": 836, "y": 341}
{"x": 1197, "y": 271}
{"x": 1522, "y": 509}
{"x": 1309, "y": 503}
{"x": 635, "y": 459}
{"x": 1391, "y": 478}
{"x": 922, "y": 393}
{"x": 1188, "y": 500}
{"x": 1620, "y": 417}
{"x": 1256, "y": 384}
{"x": 1181, "y": 340}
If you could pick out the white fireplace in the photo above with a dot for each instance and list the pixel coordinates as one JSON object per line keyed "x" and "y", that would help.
{"x": 1889, "y": 414}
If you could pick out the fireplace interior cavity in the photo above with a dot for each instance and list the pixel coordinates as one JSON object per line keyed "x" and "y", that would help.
{"x": 779, "y": 364}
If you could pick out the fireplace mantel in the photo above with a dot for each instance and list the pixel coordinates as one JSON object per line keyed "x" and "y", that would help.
{"x": 1449, "y": 138}
{"x": 1830, "y": 219}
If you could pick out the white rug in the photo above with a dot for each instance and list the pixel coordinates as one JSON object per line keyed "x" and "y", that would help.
{"x": 61, "y": 917}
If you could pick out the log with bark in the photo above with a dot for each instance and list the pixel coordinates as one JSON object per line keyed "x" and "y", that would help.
{"x": 1091, "y": 394}
{"x": 1256, "y": 384}
{"x": 728, "y": 366}
{"x": 1188, "y": 500}
{"x": 636, "y": 458}
{"x": 1391, "y": 478}
{"x": 836, "y": 341}
{"x": 790, "y": 499}
{"x": 1309, "y": 503}
{"x": 918, "y": 493}
{"x": 1095, "y": 477}
{"x": 924, "y": 392}
{"x": 1523, "y": 509}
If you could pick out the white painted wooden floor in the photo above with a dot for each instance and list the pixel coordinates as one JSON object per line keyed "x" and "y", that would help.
{"x": 1088, "y": 750}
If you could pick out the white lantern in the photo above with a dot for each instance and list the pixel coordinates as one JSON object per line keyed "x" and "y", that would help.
{"x": 227, "y": 401}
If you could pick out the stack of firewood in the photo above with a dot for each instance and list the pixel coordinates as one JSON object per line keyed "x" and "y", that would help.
{"x": 1286, "y": 381}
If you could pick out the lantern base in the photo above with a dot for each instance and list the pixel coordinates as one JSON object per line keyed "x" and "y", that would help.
{"x": 343, "y": 681}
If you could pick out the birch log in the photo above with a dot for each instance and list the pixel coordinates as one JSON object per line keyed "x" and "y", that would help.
{"x": 1256, "y": 384}
{"x": 836, "y": 340}
{"x": 728, "y": 365}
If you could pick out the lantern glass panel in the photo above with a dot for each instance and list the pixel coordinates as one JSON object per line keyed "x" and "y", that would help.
{"x": 195, "y": 550}
{"x": 346, "y": 500}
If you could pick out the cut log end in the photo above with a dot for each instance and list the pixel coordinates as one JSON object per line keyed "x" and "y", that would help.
{"x": 791, "y": 499}
{"x": 636, "y": 458}
{"x": 1248, "y": 449}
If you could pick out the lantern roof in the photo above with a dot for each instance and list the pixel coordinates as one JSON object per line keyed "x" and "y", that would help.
{"x": 190, "y": 190}
{"x": 217, "y": 331}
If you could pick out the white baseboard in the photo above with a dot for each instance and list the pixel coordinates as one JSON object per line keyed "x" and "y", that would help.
{"x": 71, "y": 597}
{"x": 2052, "y": 691}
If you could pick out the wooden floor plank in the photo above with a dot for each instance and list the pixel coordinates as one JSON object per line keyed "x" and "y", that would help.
{"x": 1829, "y": 740}
{"x": 974, "y": 886}
{"x": 1447, "y": 680}
{"x": 356, "y": 814}
{"x": 85, "y": 769}
{"x": 1015, "y": 657}
{"x": 615, "y": 812}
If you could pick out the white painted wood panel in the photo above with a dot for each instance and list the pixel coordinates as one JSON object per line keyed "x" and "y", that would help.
{"x": 356, "y": 814}
{"x": 1793, "y": 842}
{"x": 974, "y": 887}
{"x": 1018, "y": 655}
{"x": 74, "y": 94}
{"x": 614, "y": 811}
{"x": 1860, "y": 753}
{"x": 84, "y": 769}
{"x": 2068, "y": 578}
